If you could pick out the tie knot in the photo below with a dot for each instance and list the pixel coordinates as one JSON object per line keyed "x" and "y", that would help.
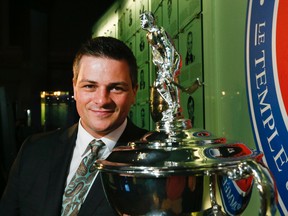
{"x": 96, "y": 146}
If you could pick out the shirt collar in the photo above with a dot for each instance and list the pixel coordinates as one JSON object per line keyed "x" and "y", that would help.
{"x": 110, "y": 140}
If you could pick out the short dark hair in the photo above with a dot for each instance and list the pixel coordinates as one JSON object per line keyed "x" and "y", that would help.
{"x": 107, "y": 47}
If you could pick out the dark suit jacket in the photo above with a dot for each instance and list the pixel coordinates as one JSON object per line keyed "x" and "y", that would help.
{"x": 37, "y": 178}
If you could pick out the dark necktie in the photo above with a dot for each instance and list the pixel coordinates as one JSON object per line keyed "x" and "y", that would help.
{"x": 76, "y": 190}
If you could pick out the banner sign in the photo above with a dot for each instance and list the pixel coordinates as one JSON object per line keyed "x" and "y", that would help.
{"x": 267, "y": 86}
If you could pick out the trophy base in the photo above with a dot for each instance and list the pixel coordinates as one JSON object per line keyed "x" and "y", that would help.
{"x": 174, "y": 129}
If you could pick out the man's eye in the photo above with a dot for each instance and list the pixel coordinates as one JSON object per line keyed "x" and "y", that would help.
{"x": 117, "y": 89}
{"x": 89, "y": 86}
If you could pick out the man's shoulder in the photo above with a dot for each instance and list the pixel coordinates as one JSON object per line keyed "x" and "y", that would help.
{"x": 50, "y": 138}
{"x": 53, "y": 133}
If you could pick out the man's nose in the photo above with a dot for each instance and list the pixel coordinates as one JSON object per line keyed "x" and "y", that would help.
{"x": 102, "y": 96}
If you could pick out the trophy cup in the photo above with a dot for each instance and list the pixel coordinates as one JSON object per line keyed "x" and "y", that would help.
{"x": 177, "y": 169}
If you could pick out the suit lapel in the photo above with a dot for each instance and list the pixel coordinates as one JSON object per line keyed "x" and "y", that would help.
{"x": 131, "y": 133}
{"x": 96, "y": 195}
{"x": 60, "y": 162}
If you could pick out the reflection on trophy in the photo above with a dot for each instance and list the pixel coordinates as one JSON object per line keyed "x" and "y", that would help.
{"x": 178, "y": 169}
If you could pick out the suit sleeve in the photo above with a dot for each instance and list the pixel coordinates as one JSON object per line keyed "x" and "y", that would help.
{"x": 9, "y": 204}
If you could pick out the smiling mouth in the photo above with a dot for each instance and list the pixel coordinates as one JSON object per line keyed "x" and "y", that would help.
{"x": 102, "y": 113}
{"x": 103, "y": 110}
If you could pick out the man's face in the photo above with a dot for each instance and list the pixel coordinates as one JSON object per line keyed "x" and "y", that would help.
{"x": 103, "y": 94}
{"x": 189, "y": 42}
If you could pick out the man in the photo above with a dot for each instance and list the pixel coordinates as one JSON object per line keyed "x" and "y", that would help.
{"x": 189, "y": 55}
{"x": 105, "y": 86}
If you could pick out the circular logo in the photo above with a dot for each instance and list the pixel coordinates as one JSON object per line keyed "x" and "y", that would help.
{"x": 267, "y": 78}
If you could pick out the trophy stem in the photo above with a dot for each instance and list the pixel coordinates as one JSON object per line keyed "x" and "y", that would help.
{"x": 216, "y": 208}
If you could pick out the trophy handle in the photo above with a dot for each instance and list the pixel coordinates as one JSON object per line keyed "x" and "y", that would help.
{"x": 263, "y": 181}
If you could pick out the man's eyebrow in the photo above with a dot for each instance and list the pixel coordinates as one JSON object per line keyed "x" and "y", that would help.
{"x": 109, "y": 84}
{"x": 118, "y": 83}
{"x": 87, "y": 80}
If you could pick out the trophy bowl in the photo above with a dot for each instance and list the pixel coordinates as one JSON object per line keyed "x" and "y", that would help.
{"x": 195, "y": 177}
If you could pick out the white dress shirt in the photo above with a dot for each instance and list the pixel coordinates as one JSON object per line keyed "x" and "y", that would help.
{"x": 83, "y": 140}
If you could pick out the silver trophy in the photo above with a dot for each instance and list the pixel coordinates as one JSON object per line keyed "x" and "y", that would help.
{"x": 177, "y": 169}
